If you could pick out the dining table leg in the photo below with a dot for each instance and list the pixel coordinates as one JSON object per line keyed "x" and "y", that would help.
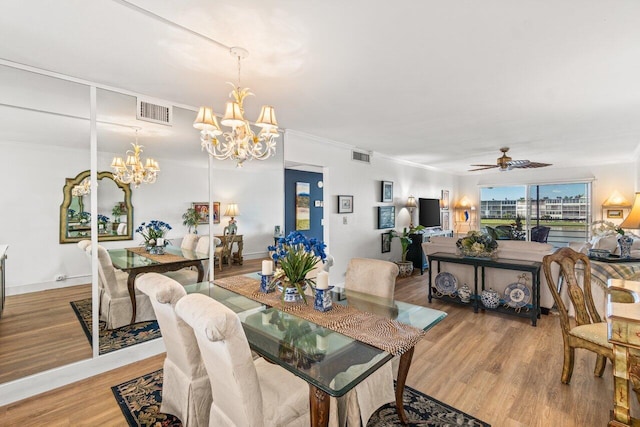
{"x": 403, "y": 370}
{"x": 131, "y": 281}
{"x": 318, "y": 407}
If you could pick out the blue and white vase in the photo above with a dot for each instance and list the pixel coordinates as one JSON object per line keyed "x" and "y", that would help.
{"x": 625, "y": 243}
{"x": 291, "y": 293}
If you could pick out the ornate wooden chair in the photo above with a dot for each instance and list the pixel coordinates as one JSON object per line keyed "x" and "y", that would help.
{"x": 586, "y": 330}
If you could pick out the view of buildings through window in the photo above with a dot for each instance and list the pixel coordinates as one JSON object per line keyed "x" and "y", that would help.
{"x": 565, "y": 208}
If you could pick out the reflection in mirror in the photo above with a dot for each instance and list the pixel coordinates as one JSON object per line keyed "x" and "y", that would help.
{"x": 44, "y": 123}
{"x": 114, "y": 204}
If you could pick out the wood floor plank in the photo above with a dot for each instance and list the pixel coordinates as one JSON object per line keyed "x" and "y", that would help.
{"x": 495, "y": 367}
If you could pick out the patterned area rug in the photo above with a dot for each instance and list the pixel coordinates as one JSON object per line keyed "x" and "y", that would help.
{"x": 140, "y": 398}
{"x": 115, "y": 339}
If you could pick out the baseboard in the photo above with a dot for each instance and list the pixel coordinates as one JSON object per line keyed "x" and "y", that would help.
{"x": 43, "y": 286}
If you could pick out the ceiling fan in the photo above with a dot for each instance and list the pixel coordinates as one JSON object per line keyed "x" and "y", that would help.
{"x": 506, "y": 163}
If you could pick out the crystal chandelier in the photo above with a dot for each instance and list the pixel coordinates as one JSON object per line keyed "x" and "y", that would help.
{"x": 239, "y": 143}
{"x": 132, "y": 171}
{"x": 82, "y": 189}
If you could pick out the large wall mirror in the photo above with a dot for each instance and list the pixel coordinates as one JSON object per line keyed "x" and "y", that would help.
{"x": 115, "y": 212}
{"x": 44, "y": 138}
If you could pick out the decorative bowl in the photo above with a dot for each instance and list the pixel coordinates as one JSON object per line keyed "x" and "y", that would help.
{"x": 599, "y": 253}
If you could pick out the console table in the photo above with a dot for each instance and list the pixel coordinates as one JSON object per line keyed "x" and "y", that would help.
{"x": 479, "y": 265}
{"x": 235, "y": 256}
{"x": 415, "y": 253}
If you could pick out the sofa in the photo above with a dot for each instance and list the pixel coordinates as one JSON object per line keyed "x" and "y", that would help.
{"x": 497, "y": 279}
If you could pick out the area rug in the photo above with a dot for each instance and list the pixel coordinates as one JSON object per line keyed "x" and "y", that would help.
{"x": 140, "y": 398}
{"x": 115, "y": 339}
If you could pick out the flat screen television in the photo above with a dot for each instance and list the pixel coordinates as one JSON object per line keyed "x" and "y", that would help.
{"x": 429, "y": 212}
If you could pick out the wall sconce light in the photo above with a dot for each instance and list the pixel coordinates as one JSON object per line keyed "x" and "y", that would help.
{"x": 411, "y": 205}
{"x": 464, "y": 206}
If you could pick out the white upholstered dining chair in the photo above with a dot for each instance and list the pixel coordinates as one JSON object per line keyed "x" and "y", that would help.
{"x": 245, "y": 392}
{"x": 115, "y": 303}
{"x": 186, "y": 391}
{"x": 372, "y": 276}
{"x": 189, "y": 241}
{"x": 189, "y": 275}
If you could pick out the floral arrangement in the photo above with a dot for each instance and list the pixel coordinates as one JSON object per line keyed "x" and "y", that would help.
{"x": 605, "y": 228}
{"x": 152, "y": 231}
{"x": 103, "y": 219}
{"x": 296, "y": 255}
{"x": 477, "y": 244}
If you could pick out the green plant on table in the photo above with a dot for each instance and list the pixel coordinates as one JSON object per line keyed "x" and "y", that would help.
{"x": 191, "y": 218}
{"x": 116, "y": 212}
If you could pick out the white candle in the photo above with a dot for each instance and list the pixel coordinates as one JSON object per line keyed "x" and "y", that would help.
{"x": 267, "y": 267}
{"x": 322, "y": 280}
{"x": 160, "y": 241}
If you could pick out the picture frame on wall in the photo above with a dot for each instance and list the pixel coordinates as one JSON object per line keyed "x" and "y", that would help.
{"x": 387, "y": 191}
{"x": 303, "y": 204}
{"x": 445, "y": 220}
{"x": 386, "y": 242}
{"x": 345, "y": 204}
{"x": 444, "y": 200}
{"x": 386, "y": 217}
{"x": 203, "y": 212}
{"x": 614, "y": 213}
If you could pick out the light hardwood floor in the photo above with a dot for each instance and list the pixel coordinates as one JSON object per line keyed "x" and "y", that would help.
{"x": 497, "y": 368}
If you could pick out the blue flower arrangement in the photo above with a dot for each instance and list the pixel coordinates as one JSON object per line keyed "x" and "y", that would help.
{"x": 152, "y": 231}
{"x": 103, "y": 219}
{"x": 296, "y": 255}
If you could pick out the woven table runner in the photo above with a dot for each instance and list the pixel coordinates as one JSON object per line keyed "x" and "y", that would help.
{"x": 163, "y": 259}
{"x": 383, "y": 333}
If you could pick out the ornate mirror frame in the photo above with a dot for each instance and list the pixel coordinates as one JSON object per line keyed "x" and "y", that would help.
{"x": 70, "y": 183}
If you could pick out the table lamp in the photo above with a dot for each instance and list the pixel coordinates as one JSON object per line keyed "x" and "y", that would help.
{"x": 232, "y": 211}
{"x": 411, "y": 205}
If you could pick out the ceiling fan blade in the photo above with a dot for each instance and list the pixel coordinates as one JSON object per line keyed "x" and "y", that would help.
{"x": 483, "y": 167}
{"x": 530, "y": 165}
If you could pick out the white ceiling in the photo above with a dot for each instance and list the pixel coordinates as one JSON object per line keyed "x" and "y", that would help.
{"x": 442, "y": 83}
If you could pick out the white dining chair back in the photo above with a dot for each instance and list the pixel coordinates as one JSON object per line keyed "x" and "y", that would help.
{"x": 122, "y": 229}
{"x": 189, "y": 241}
{"x": 372, "y": 276}
{"x": 245, "y": 392}
{"x": 115, "y": 302}
{"x": 186, "y": 392}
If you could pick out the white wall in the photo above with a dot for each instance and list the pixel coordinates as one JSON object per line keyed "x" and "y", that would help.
{"x": 342, "y": 176}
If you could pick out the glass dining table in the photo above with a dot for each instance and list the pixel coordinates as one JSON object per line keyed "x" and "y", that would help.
{"x": 330, "y": 362}
{"x": 135, "y": 261}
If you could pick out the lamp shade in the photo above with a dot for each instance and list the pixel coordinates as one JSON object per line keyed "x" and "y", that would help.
{"x": 411, "y": 202}
{"x": 207, "y": 121}
{"x": 633, "y": 219}
{"x": 232, "y": 210}
{"x": 233, "y": 115}
{"x": 616, "y": 200}
{"x": 267, "y": 117}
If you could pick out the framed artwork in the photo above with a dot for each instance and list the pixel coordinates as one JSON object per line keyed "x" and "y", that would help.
{"x": 203, "y": 211}
{"x": 614, "y": 213}
{"x": 386, "y": 242}
{"x": 386, "y": 216}
{"x": 345, "y": 204}
{"x": 303, "y": 202}
{"x": 387, "y": 191}
{"x": 444, "y": 200}
{"x": 445, "y": 220}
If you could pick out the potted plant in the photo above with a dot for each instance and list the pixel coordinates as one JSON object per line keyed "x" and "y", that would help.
{"x": 116, "y": 212}
{"x": 191, "y": 218}
{"x": 406, "y": 267}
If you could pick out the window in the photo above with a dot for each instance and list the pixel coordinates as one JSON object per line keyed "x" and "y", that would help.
{"x": 566, "y": 208}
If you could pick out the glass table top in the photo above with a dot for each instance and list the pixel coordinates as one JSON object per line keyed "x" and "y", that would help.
{"x": 124, "y": 259}
{"x": 331, "y": 361}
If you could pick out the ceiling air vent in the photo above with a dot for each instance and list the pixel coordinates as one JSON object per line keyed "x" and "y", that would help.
{"x": 361, "y": 157}
{"x": 154, "y": 112}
